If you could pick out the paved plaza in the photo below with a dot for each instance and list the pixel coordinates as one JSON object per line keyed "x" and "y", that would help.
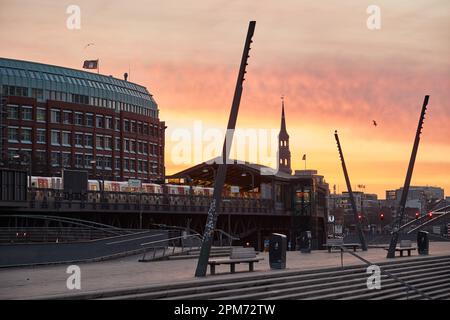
{"x": 39, "y": 281}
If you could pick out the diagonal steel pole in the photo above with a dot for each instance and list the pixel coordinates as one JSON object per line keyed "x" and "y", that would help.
{"x": 350, "y": 193}
{"x": 412, "y": 160}
{"x": 219, "y": 181}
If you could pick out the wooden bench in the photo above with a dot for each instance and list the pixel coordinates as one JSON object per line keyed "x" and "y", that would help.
{"x": 405, "y": 245}
{"x": 338, "y": 243}
{"x": 237, "y": 255}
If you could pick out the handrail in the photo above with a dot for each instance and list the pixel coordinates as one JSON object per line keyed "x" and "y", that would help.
{"x": 410, "y": 287}
{"x": 441, "y": 214}
{"x": 196, "y": 235}
{"x": 74, "y": 221}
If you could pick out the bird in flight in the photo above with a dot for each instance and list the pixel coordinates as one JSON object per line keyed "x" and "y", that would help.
{"x": 89, "y": 44}
{"x": 374, "y": 123}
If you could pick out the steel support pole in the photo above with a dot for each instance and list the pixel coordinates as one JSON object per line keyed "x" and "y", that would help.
{"x": 412, "y": 160}
{"x": 350, "y": 193}
{"x": 219, "y": 180}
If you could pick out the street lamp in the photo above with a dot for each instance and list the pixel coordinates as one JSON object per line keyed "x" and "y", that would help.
{"x": 17, "y": 157}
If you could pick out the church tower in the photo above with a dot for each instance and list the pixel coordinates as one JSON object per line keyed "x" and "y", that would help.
{"x": 284, "y": 154}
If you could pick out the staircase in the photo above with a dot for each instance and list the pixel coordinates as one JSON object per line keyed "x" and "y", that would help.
{"x": 429, "y": 274}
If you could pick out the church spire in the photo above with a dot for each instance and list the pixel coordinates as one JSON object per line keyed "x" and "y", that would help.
{"x": 283, "y": 131}
{"x": 284, "y": 154}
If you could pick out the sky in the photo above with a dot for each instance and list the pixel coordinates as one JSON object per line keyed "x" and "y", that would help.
{"x": 334, "y": 72}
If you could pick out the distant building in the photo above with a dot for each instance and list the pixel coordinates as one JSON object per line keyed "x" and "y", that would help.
{"x": 373, "y": 212}
{"x": 419, "y": 198}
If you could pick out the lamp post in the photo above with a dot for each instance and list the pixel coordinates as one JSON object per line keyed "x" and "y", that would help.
{"x": 17, "y": 158}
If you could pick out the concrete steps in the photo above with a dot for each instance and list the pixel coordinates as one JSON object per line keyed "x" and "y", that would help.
{"x": 430, "y": 274}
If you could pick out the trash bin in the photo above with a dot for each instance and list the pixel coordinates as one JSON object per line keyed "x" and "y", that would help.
{"x": 423, "y": 242}
{"x": 277, "y": 251}
{"x": 305, "y": 242}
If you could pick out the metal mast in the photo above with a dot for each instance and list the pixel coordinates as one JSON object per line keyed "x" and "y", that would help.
{"x": 412, "y": 160}
{"x": 350, "y": 193}
{"x": 214, "y": 207}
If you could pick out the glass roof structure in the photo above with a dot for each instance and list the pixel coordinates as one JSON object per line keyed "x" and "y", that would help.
{"x": 54, "y": 78}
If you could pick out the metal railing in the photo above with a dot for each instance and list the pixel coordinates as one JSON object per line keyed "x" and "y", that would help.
{"x": 389, "y": 274}
{"x": 66, "y": 229}
{"x": 176, "y": 241}
{"x": 51, "y": 199}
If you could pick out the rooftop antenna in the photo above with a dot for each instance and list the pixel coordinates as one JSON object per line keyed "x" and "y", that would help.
{"x": 401, "y": 206}
{"x": 219, "y": 181}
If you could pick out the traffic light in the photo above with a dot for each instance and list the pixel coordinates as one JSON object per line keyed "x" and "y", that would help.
{"x": 430, "y": 215}
{"x": 382, "y": 216}
{"x": 417, "y": 215}
{"x": 359, "y": 216}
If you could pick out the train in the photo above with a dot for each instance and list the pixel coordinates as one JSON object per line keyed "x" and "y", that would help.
{"x": 123, "y": 186}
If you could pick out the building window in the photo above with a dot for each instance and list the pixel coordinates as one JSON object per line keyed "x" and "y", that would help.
{"x": 117, "y": 164}
{"x": 66, "y": 159}
{"x": 108, "y": 143}
{"x": 13, "y": 112}
{"x": 27, "y": 113}
{"x": 108, "y": 123}
{"x": 133, "y": 126}
{"x": 13, "y": 134}
{"x": 78, "y": 160}
{"x": 41, "y": 115}
{"x": 41, "y": 157}
{"x": 88, "y": 141}
{"x": 144, "y": 148}
{"x": 132, "y": 165}
{"x": 89, "y": 119}
{"x": 99, "y": 141}
{"x": 107, "y": 162}
{"x": 145, "y": 129}
{"x": 56, "y": 138}
{"x": 117, "y": 124}
{"x": 79, "y": 119}
{"x": 26, "y": 135}
{"x": 126, "y": 126}
{"x": 144, "y": 166}
{"x": 87, "y": 160}
{"x": 67, "y": 115}
{"x": 126, "y": 146}
{"x": 117, "y": 144}
{"x": 99, "y": 121}
{"x": 99, "y": 162}
{"x": 55, "y": 116}
{"x": 126, "y": 164}
{"x": 132, "y": 146}
{"x": 38, "y": 94}
{"x": 66, "y": 138}
{"x": 78, "y": 139}
{"x": 56, "y": 159}
{"x": 41, "y": 136}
